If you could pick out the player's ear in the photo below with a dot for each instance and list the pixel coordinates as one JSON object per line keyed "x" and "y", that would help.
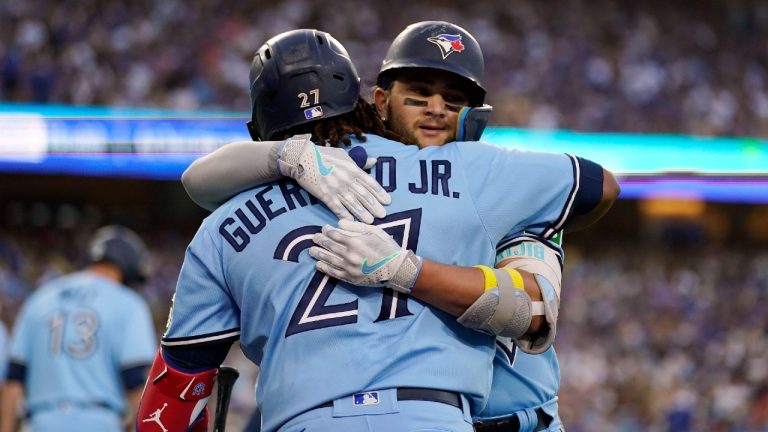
{"x": 381, "y": 100}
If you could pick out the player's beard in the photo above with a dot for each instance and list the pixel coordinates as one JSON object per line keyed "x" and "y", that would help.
{"x": 395, "y": 125}
{"x": 400, "y": 127}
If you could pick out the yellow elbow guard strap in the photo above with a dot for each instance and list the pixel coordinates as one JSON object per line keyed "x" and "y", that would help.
{"x": 504, "y": 309}
{"x": 491, "y": 281}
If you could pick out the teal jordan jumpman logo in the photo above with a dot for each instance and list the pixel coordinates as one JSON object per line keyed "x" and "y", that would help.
{"x": 368, "y": 269}
{"x": 324, "y": 170}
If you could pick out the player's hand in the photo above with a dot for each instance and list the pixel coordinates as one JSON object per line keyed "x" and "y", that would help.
{"x": 364, "y": 255}
{"x": 331, "y": 175}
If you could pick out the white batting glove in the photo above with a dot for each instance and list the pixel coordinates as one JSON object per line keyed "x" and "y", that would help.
{"x": 365, "y": 255}
{"x": 334, "y": 178}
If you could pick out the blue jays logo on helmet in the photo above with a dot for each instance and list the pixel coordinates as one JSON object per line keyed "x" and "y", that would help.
{"x": 448, "y": 43}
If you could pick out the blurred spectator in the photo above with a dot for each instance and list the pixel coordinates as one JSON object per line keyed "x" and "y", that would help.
{"x": 598, "y": 65}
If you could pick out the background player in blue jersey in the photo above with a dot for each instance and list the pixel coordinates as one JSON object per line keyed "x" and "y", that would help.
{"x": 377, "y": 345}
{"x": 83, "y": 343}
{"x": 524, "y": 395}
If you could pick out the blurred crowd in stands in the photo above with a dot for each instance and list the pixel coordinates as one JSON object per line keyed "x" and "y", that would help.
{"x": 694, "y": 67}
{"x": 660, "y": 338}
{"x": 651, "y": 338}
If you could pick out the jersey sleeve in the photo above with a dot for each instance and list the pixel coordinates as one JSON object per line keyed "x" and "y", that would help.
{"x": 139, "y": 343}
{"x": 22, "y": 336}
{"x": 526, "y": 245}
{"x": 516, "y": 190}
{"x": 203, "y": 309}
{"x": 229, "y": 170}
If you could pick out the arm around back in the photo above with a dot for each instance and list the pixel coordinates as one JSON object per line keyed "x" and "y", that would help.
{"x": 238, "y": 166}
{"x": 328, "y": 173}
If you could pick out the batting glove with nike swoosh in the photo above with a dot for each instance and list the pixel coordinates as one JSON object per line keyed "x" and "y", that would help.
{"x": 365, "y": 255}
{"x": 333, "y": 177}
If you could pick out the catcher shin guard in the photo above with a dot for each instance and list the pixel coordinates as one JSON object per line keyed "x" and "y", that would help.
{"x": 173, "y": 400}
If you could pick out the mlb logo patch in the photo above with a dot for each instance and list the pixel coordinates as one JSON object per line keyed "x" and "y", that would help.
{"x": 313, "y": 112}
{"x": 366, "y": 398}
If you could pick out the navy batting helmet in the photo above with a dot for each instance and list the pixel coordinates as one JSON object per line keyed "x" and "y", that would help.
{"x": 436, "y": 45}
{"x": 123, "y": 248}
{"x": 298, "y": 77}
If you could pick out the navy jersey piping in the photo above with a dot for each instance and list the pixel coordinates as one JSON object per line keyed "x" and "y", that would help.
{"x": 553, "y": 228}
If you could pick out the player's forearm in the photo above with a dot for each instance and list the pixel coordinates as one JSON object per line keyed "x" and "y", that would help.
{"x": 483, "y": 299}
{"x": 449, "y": 288}
{"x": 12, "y": 393}
{"x": 134, "y": 398}
{"x": 453, "y": 289}
{"x": 216, "y": 177}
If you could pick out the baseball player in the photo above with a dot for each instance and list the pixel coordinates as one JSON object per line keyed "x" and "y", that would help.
{"x": 525, "y": 386}
{"x": 379, "y": 353}
{"x": 83, "y": 343}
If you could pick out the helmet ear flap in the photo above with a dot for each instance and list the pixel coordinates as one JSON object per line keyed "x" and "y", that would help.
{"x": 472, "y": 121}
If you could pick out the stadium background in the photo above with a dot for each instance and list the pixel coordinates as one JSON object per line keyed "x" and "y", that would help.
{"x": 663, "y": 319}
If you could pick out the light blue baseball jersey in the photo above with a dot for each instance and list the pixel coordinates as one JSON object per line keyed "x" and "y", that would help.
{"x": 520, "y": 380}
{"x": 247, "y": 274}
{"x": 74, "y": 335}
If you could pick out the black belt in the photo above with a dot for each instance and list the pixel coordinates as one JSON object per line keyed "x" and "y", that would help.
{"x": 420, "y": 394}
{"x": 512, "y": 424}
{"x": 411, "y": 393}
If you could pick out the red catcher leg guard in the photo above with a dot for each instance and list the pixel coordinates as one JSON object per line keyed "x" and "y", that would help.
{"x": 174, "y": 401}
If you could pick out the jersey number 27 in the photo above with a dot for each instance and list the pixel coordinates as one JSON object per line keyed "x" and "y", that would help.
{"x": 313, "y": 312}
